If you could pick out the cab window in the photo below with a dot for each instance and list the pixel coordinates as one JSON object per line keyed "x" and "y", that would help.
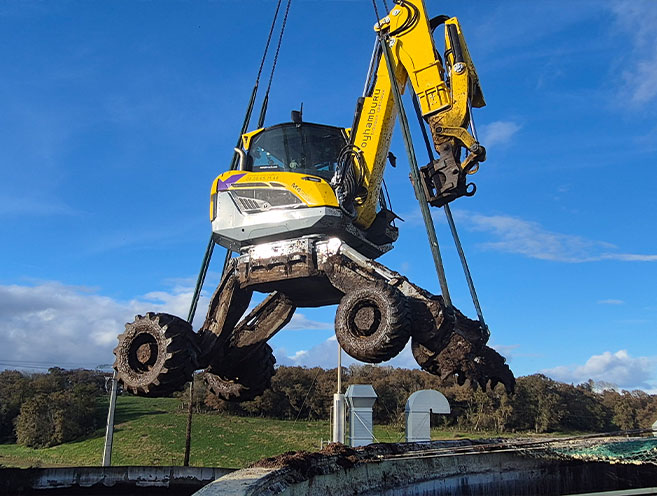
{"x": 306, "y": 148}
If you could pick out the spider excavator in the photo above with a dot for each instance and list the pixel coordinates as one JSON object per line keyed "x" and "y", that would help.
{"x": 305, "y": 213}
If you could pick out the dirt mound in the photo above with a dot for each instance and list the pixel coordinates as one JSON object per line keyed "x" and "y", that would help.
{"x": 334, "y": 457}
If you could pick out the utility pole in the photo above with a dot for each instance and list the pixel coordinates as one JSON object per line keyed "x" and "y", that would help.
{"x": 109, "y": 431}
{"x": 338, "y": 405}
{"x": 188, "y": 433}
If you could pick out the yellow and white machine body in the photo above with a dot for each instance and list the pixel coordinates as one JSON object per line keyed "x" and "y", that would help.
{"x": 290, "y": 182}
{"x": 283, "y": 190}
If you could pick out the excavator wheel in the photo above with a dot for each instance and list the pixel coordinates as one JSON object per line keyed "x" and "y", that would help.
{"x": 373, "y": 323}
{"x": 156, "y": 354}
{"x": 249, "y": 380}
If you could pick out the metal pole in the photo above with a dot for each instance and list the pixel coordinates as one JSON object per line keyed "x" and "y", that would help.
{"x": 109, "y": 430}
{"x": 415, "y": 175}
{"x": 338, "y": 405}
{"x": 464, "y": 264}
{"x": 339, "y": 368}
{"x": 229, "y": 255}
{"x": 188, "y": 433}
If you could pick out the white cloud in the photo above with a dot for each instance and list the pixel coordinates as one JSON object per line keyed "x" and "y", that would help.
{"x": 515, "y": 235}
{"x": 325, "y": 355}
{"x": 498, "y": 133}
{"x": 610, "y": 301}
{"x": 506, "y": 350}
{"x": 637, "y": 21}
{"x": 618, "y": 368}
{"x": 627, "y": 257}
{"x": 56, "y": 324}
{"x": 300, "y": 322}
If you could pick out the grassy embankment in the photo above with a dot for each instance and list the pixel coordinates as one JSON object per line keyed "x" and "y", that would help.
{"x": 152, "y": 432}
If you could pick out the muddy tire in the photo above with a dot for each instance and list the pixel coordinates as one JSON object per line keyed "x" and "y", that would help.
{"x": 373, "y": 323}
{"x": 156, "y": 354}
{"x": 245, "y": 382}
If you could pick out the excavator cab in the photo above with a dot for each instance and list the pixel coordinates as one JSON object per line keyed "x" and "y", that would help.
{"x": 283, "y": 188}
{"x": 304, "y": 147}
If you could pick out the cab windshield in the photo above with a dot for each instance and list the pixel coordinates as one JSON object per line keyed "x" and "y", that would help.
{"x": 306, "y": 148}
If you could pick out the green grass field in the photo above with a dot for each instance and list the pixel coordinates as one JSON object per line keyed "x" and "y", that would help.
{"x": 152, "y": 432}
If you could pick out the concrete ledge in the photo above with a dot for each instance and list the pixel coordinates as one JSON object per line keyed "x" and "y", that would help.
{"x": 16, "y": 480}
{"x": 437, "y": 468}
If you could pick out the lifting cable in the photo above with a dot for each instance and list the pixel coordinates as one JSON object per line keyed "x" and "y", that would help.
{"x": 254, "y": 92}
{"x": 448, "y": 214}
{"x": 415, "y": 172}
{"x": 419, "y": 192}
{"x": 312, "y": 385}
{"x": 235, "y": 161}
{"x": 265, "y": 101}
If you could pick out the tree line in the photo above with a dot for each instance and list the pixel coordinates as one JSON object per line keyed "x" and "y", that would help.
{"x": 45, "y": 409}
{"x": 538, "y": 404}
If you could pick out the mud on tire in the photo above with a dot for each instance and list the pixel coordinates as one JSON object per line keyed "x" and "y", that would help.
{"x": 373, "y": 323}
{"x": 246, "y": 381}
{"x": 156, "y": 354}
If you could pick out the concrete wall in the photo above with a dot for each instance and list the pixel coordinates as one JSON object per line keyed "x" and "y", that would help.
{"x": 494, "y": 473}
{"x": 415, "y": 473}
{"x": 176, "y": 480}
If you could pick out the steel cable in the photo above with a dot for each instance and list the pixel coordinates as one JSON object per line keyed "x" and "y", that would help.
{"x": 450, "y": 221}
{"x": 265, "y": 102}
{"x": 245, "y": 124}
{"x": 414, "y": 169}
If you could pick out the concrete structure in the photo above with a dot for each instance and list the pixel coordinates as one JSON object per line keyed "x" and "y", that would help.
{"x": 654, "y": 429}
{"x": 419, "y": 407}
{"x": 454, "y": 467}
{"x": 122, "y": 480}
{"x": 360, "y": 398}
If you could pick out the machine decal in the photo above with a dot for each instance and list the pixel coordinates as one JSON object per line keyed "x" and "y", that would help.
{"x": 225, "y": 185}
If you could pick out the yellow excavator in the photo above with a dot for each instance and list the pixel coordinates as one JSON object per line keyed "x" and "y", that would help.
{"x": 306, "y": 214}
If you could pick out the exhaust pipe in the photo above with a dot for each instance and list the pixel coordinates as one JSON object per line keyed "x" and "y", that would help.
{"x": 242, "y": 155}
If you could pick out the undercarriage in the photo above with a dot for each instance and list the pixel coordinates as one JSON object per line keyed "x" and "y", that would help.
{"x": 379, "y": 311}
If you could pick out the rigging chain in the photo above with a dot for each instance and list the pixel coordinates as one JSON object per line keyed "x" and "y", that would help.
{"x": 254, "y": 92}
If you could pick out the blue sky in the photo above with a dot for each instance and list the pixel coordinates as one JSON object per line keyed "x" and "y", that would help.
{"x": 116, "y": 117}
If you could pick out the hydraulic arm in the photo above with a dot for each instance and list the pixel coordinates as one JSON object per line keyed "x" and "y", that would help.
{"x": 446, "y": 92}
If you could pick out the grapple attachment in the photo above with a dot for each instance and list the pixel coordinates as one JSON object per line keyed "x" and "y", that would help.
{"x": 463, "y": 353}
{"x": 458, "y": 348}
